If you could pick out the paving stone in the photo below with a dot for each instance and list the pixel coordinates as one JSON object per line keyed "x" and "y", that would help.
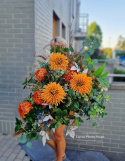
{"x": 5, "y": 147}
{"x": 26, "y": 158}
{"x": 17, "y": 149}
{"x": 18, "y": 159}
{"x": 3, "y": 158}
{"x": 8, "y": 152}
{"x": 1, "y": 153}
{"x": 21, "y": 154}
{"x": 12, "y": 157}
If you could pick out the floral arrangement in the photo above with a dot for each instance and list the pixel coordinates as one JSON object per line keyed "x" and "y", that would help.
{"x": 64, "y": 87}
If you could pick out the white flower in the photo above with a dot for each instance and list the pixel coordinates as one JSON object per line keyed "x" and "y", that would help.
{"x": 70, "y": 131}
{"x": 44, "y": 137}
{"x": 75, "y": 114}
{"x": 104, "y": 89}
{"x": 75, "y": 67}
{"x": 85, "y": 71}
{"x": 50, "y": 106}
{"x": 46, "y": 118}
{"x": 53, "y": 129}
{"x": 40, "y": 121}
{"x": 48, "y": 53}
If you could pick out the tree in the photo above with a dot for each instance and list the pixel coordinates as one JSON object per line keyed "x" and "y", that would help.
{"x": 107, "y": 52}
{"x": 95, "y": 31}
{"x": 121, "y": 43}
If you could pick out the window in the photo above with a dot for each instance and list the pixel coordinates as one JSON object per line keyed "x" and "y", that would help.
{"x": 56, "y": 25}
{"x": 63, "y": 31}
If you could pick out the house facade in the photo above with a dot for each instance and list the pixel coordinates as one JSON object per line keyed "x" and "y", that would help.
{"x": 26, "y": 26}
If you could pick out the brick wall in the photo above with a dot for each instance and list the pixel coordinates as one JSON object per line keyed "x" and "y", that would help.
{"x": 44, "y": 21}
{"x": 112, "y": 129}
{"x": 16, "y": 52}
{"x": 25, "y": 27}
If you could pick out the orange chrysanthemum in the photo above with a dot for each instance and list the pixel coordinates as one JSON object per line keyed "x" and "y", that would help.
{"x": 37, "y": 97}
{"x": 24, "y": 108}
{"x": 81, "y": 83}
{"x": 69, "y": 75}
{"x": 53, "y": 94}
{"x": 58, "y": 61}
{"x": 40, "y": 74}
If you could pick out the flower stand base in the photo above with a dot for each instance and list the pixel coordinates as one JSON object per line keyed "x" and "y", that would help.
{"x": 38, "y": 152}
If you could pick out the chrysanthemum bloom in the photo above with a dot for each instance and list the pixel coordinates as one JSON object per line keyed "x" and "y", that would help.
{"x": 37, "y": 97}
{"x": 53, "y": 94}
{"x": 24, "y": 108}
{"x": 58, "y": 61}
{"x": 69, "y": 75}
{"x": 81, "y": 83}
{"x": 40, "y": 74}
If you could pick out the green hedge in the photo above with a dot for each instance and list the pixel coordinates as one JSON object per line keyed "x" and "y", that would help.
{"x": 120, "y": 54}
{"x": 119, "y": 71}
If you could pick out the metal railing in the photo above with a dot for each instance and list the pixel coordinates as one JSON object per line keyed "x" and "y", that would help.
{"x": 111, "y": 76}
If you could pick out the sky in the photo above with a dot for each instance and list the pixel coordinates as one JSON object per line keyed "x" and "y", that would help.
{"x": 109, "y": 15}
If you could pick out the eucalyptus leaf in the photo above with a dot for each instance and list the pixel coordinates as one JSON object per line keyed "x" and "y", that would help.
{"x": 90, "y": 67}
{"x": 23, "y": 139}
{"x": 95, "y": 45}
{"x": 95, "y": 61}
{"x": 29, "y": 145}
{"x": 86, "y": 42}
{"x": 85, "y": 62}
{"x": 86, "y": 55}
{"x": 92, "y": 38}
{"x": 39, "y": 137}
{"x": 91, "y": 51}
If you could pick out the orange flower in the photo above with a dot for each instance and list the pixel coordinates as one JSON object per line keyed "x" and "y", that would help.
{"x": 37, "y": 97}
{"x": 40, "y": 74}
{"x": 81, "y": 83}
{"x": 58, "y": 61}
{"x": 69, "y": 75}
{"x": 24, "y": 108}
{"x": 71, "y": 113}
{"x": 53, "y": 94}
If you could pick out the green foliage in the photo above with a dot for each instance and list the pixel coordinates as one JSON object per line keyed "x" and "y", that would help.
{"x": 103, "y": 82}
{"x": 95, "y": 33}
{"x": 104, "y": 75}
{"x": 71, "y": 49}
{"x": 121, "y": 43}
{"x": 95, "y": 61}
{"x": 101, "y": 56}
{"x": 57, "y": 124}
{"x": 90, "y": 67}
{"x": 121, "y": 54}
{"x": 29, "y": 145}
{"x": 99, "y": 71}
{"x": 119, "y": 71}
{"x": 18, "y": 124}
{"x": 23, "y": 139}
